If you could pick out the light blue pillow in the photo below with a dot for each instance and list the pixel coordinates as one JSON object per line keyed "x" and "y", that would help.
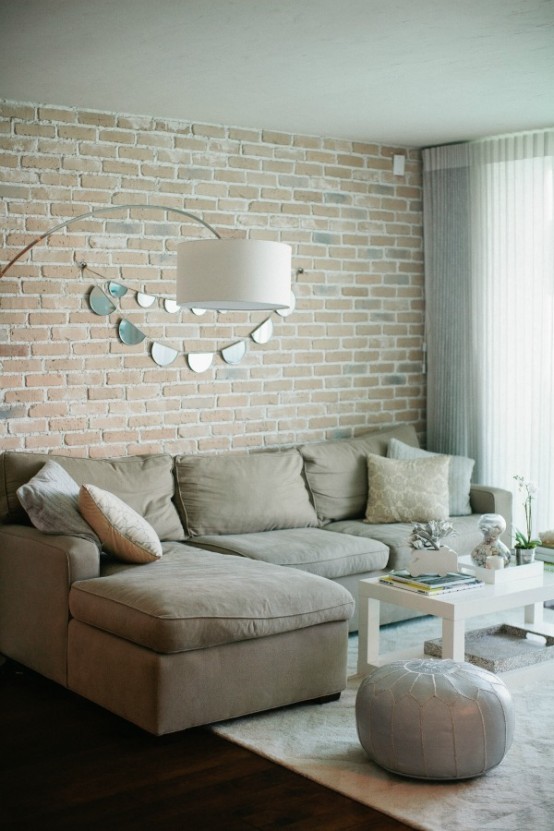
{"x": 51, "y": 500}
{"x": 459, "y": 474}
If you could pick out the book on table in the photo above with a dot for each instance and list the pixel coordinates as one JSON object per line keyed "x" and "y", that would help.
{"x": 545, "y": 553}
{"x": 431, "y": 583}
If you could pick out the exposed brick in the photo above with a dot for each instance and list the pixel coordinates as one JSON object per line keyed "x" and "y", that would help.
{"x": 40, "y": 162}
{"x": 9, "y": 411}
{"x": 117, "y": 136}
{"x": 43, "y": 442}
{"x": 12, "y": 109}
{"x": 57, "y": 114}
{"x": 209, "y": 130}
{"x": 77, "y": 133}
{"x": 34, "y": 129}
{"x": 154, "y": 139}
{"x": 97, "y": 118}
{"x": 349, "y": 357}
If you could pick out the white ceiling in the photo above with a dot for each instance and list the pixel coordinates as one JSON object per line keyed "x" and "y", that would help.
{"x": 406, "y": 72}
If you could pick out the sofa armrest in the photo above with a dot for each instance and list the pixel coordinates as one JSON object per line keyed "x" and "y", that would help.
{"x": 36, "y": 573}
{"x": 488, "y": 500}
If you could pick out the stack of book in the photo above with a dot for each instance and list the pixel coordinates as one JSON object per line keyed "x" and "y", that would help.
{"x": 546, "y": 554}
{"x": 431, "y": 584}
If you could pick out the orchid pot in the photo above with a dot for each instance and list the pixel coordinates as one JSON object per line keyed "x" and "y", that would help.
{"x": 525, "y": 554}
{"x": 525, "y": 544}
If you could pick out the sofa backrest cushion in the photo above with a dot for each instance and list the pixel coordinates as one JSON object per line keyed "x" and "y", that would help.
{"x": 336, "y": 471}
{"x": 145, "y": 483}
{"x": 243, "y": 493}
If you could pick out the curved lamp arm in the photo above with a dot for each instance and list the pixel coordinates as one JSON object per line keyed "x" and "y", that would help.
{"x": 229, "y": 274}
{"x": 106, "y": 209}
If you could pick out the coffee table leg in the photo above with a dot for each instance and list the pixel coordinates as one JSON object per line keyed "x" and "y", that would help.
{"x": 453, "y": 639}
{"x": 534, "y": 613}
{"x": 368, "y": 633}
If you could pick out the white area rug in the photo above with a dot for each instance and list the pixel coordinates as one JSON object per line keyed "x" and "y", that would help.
{"x": 321, "y": 743}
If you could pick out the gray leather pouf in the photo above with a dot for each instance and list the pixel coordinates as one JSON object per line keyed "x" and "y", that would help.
{"x": 434, "y": 719}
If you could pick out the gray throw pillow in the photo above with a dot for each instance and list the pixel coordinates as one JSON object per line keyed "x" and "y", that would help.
{"x": 459, "y": 474}
{"x": 51, "y": 499}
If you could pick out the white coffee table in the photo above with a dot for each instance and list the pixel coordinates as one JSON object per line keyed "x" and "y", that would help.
{"x": 454, "y": 608}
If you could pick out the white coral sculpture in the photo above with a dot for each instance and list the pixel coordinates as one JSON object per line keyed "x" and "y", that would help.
{"x": 430, "y": 534}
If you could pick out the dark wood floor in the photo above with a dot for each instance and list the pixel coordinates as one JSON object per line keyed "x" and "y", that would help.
{"x": 71, "y": 766}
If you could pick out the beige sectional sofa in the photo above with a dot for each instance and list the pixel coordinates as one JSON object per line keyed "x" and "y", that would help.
{"x": 247, "y": 603}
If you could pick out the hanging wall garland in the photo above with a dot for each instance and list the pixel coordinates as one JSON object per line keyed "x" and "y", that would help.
{"x": 104, "y": 298}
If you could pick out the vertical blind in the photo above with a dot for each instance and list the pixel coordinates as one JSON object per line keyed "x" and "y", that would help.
{"x": 489, "y": 270}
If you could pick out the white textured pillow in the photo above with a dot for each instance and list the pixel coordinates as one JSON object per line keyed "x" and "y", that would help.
{"x": 51, "y": 500}
{"x": 459, "y": 474}
{"x": 407, "y": 491}
{"x": 122, "y": 531}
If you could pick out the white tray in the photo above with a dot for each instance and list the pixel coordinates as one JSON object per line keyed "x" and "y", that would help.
{"x": 501, "y": 576}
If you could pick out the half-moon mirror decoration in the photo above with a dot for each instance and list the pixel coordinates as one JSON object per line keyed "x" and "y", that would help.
{"x": 129, "y": 333}
{"x": 145, "y": 300}
{"x": 200, "y": 361}
{"x": 290, "y": 309}
{"x": 117, "y": 289}
{"x": 163, "y": 355}
{"x": 234, "y": 353}
{"x": 100, "y": 303}
{"x": 264, "y": 332}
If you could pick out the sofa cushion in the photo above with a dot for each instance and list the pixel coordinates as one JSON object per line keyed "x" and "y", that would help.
{"x": 144, "y": 482}
{"x": 121, "y": 530}
{"x": 240, "y": 494}
{"x": 459, "y": 474}
{"x": 414, "y": 490}
{"x": 310, "y": 549}
{"x": 51, "y": 500}
{"x": 336, "y": 471}
{"x": 396, "y": 536}
{"x": 191, "y": 599}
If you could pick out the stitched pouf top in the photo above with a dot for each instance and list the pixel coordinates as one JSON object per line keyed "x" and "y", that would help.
{"x": 434, "y": 719}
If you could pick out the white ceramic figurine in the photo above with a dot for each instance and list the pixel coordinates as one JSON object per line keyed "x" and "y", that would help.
{"x": 491, "y": 526}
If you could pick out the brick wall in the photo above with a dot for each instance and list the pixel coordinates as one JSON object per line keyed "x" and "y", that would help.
{"x": 347, "y": 359}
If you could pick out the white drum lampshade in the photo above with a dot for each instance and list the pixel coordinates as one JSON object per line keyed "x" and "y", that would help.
{"x": 233, "y": 274}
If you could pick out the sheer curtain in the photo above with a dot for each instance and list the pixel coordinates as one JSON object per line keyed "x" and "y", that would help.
{"x": 489, "y": 249}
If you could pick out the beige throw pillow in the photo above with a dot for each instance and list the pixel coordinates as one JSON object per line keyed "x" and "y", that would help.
{"x": 415, "y": 490}
{"x": 122, "y": 531}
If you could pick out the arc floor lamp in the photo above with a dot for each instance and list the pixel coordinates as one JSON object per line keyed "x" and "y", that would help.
{"x": 223, "y": 274}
